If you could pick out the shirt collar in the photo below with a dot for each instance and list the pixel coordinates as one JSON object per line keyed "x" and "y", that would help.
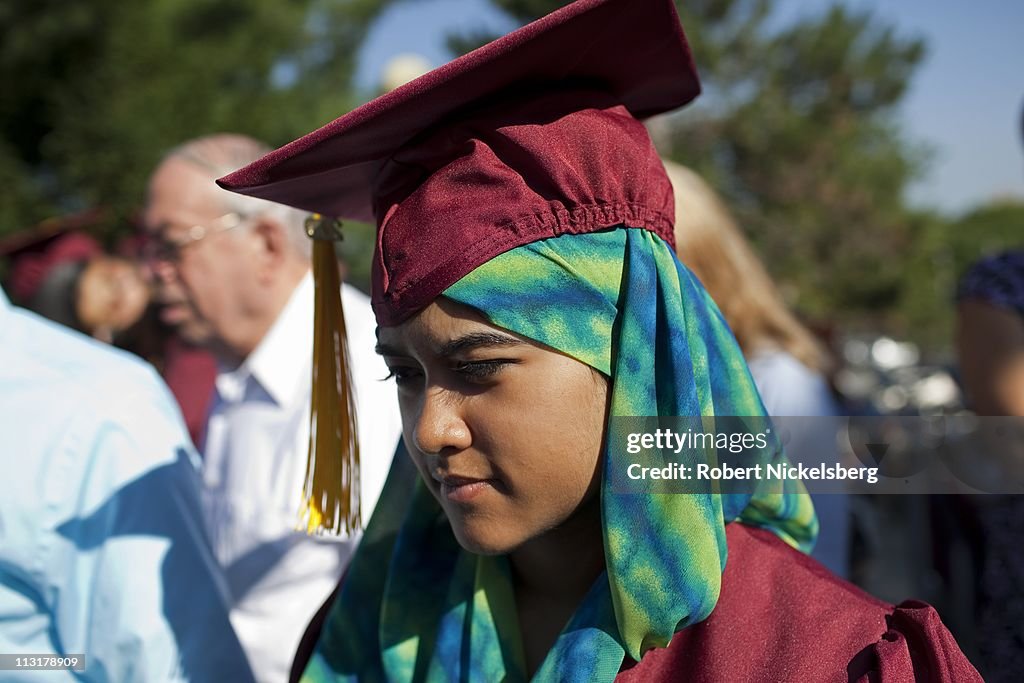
{"x": 286, "y": 350}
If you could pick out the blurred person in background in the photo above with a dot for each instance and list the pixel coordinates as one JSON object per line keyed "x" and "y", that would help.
{"x": 68, "y": 278}
{"x": 990, "y": 334}
{"x": 232, "y": 274}
{"x": 990, "y": 345}
{"x": 102, "y": 548}
{"x": 59, "y": 271}
{"x": 786, "y": 361}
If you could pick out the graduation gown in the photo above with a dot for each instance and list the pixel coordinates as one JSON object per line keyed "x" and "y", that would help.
{"x": 782, "y": 616}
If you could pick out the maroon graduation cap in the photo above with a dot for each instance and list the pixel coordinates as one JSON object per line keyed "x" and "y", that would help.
{"x": 534, "y": 135}
{"x": 46, "y": 260}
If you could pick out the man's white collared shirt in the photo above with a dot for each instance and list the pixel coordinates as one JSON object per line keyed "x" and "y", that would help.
{"x": 254, "y": 461}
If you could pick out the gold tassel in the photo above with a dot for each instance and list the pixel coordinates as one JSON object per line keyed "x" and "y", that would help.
{"x": 331, "y": 492}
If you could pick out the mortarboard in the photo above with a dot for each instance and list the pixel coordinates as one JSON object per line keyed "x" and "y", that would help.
{"x": 45, "y": 262}
{"x": 428, "y": 148}
{"x": 533, "y": 135}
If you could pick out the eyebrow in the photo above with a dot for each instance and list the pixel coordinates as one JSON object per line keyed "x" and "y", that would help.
{"x": 467, "y": 342}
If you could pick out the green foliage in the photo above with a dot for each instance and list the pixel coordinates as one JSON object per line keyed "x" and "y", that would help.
{"x": 796, "y": 128}
{"x": 96, "y": 91}
{"x": 943, "y": 251}
{"x": 356, "y": 251}
{"x": 987, "y": 230}
{"x": 799, "y": 137}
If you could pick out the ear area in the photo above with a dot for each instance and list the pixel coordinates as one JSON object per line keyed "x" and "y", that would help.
{"x": 271, "y": 245}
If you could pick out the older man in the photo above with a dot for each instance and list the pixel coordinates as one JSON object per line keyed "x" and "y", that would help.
{"x": 233, "y": 275}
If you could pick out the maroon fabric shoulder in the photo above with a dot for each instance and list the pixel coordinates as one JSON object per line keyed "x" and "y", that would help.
{"x": 783, "y": 617}
{"x": 918, "y": 647}
{"x": 190, "y": 373}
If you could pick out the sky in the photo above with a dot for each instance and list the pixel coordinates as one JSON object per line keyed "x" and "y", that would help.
{"x": 964, "y": 102}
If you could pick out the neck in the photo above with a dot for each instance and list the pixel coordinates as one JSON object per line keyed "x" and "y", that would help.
{"x": 551, "y": 575}
{"x": 565, "y": 561}
{"x": 264, "y": 311}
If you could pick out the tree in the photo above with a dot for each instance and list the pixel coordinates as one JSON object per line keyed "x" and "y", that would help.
{"x": 809, "y": 156}
{"x": 96, "y": 91}
{"x": 796, "y": 129}
{"x": 944, "y": 251}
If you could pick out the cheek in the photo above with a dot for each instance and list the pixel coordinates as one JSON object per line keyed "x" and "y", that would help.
{"x": 134, "y": 303}
{"x": 192, "y": 276}
{"x": 407, "y": 411}
{"x": 409, "y": 414}
{"x": 548, "y": 431}
{"x": 209, "y": 285}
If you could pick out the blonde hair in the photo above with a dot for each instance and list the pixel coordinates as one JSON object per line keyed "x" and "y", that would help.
{"x": 710, "y": 243}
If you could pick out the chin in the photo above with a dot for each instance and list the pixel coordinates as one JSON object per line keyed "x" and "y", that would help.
{"x": 480, "y": 541}
{"x": 195, "y": 334}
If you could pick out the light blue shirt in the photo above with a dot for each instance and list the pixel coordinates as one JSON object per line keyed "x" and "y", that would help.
{"x": 789, "y": 388}
{"x": 102, "y": 547}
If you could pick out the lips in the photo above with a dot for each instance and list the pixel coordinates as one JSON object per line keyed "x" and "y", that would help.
{"x": 459, "y": 489}
{"x": 173, "y": 313}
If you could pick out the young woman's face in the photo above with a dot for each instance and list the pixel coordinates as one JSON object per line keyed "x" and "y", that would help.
{"x": 112, "y": 296}
{"x": 506, "y": 433}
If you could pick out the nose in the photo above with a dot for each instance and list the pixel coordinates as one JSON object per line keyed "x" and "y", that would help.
{"x": 160, "y": 272}
{"x": 441, "y": 426}
{"x": 147, "y": 268}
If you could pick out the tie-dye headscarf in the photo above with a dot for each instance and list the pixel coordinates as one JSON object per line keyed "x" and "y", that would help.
{"x": 416, "y": 607}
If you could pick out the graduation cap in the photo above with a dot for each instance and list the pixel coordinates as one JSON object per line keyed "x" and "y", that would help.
{"x": 46, "y": 260}
{"x": 534, "y": 135}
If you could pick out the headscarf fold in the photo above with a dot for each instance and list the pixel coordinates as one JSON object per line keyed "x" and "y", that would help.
{"x": 416, "y": 607}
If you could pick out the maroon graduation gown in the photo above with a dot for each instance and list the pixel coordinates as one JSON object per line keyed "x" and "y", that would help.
{"x": 782, "y": 616}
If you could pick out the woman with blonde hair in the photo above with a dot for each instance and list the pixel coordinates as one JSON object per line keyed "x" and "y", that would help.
{"x": 787, "y": 363}
{"x": 709, "y": 241}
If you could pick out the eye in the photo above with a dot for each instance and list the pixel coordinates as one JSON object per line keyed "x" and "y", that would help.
{"x": 479, "y": 370}
{"x": 402, "y": 374}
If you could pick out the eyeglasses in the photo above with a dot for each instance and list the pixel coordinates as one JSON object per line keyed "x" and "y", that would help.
{"x": 170, "y": 250}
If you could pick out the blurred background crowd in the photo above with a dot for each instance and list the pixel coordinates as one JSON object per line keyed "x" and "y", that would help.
{"x": 850, "y": 163}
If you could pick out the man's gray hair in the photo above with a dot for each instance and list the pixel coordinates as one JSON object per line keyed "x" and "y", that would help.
{"x": 222, "y": 153}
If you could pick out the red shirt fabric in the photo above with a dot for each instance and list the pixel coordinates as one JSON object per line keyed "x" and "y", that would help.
{"x": 782, "y": 616}
{"x": 190, "y": 373}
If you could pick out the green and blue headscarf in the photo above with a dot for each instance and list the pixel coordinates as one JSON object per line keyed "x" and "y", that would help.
{"x": 415, "y": 606}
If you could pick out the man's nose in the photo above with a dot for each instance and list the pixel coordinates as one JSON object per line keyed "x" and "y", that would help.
{"x": 160, "y": 272}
